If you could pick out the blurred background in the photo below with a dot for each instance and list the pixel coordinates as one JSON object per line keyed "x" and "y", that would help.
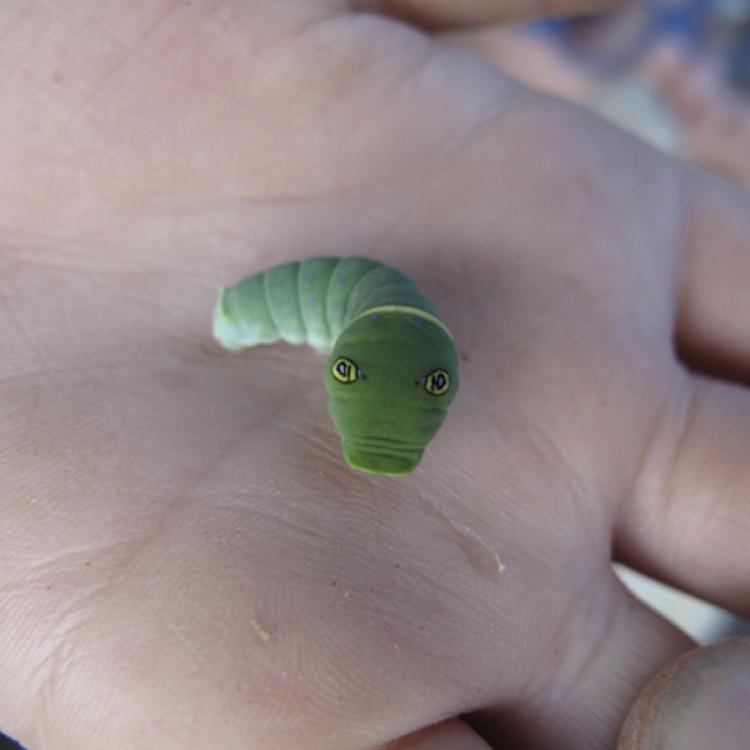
{"x": 675, "y": 73}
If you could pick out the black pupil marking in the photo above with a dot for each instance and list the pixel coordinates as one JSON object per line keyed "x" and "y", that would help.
{"x": 346, "y": 371}
{"x": 436, "y": 383}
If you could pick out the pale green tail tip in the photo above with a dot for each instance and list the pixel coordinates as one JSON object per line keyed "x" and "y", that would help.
{"x": 365, "y": 459}
{"x": 224, "y": 331}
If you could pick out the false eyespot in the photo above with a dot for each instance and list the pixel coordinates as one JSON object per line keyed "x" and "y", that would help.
{"x": 344, "y": 370}
{"x": 438, "y": 382}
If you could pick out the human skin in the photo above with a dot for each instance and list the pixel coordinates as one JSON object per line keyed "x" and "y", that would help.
{"x": 186, "y": 559}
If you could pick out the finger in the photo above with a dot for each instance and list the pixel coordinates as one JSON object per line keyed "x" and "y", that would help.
{"x": 698, "y": 701}
{"x": 689, "y": 518}
{"x": 690, "y": 85}
{"x": 529, "y": 58}
{"x": 714, "y": 124}
{"x": 612, "y": 645}
{"x": 446, "y": 14}
{"x": 449, "y": 735}
{"x": 713, "y": 330}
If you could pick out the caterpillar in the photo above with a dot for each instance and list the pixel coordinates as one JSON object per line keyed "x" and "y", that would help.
{"x": 393, "y": 367}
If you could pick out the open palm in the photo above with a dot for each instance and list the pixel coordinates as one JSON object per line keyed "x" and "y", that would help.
{"x": 186, "y": 558}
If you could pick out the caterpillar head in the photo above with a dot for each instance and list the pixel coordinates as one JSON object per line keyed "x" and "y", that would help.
{"x": 390, "y": 379}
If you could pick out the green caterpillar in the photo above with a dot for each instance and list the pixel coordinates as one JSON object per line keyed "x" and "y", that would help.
{"x": 393, "y": 369}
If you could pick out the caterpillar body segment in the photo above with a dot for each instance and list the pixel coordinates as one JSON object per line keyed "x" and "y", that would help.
{"x": 393, "y": 368}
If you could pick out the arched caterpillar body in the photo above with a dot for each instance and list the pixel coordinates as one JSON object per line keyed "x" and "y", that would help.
{"x": 393, "y": 369}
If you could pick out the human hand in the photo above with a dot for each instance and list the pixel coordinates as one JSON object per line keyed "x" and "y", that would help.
{"x": 187, "y": 560}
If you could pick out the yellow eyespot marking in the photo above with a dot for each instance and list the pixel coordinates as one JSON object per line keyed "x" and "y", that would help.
{"x": 437, "y": 382}
{"x": 344, "y": 370}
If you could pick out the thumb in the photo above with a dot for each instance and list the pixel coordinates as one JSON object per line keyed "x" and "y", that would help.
{"x": 701, "y": 700}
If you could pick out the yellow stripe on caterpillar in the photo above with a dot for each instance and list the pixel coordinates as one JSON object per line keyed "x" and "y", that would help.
{"x": 406, "y": 310}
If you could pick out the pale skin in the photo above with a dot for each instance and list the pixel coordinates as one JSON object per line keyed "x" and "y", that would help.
{"x": 186, "y": 560}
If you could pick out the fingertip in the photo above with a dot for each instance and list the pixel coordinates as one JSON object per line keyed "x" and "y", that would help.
{"x": 701, "y": 700}
{"x": 665, "y": 60}
{"x": 448, "y": 735}
{"x": 448, "y": 14}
